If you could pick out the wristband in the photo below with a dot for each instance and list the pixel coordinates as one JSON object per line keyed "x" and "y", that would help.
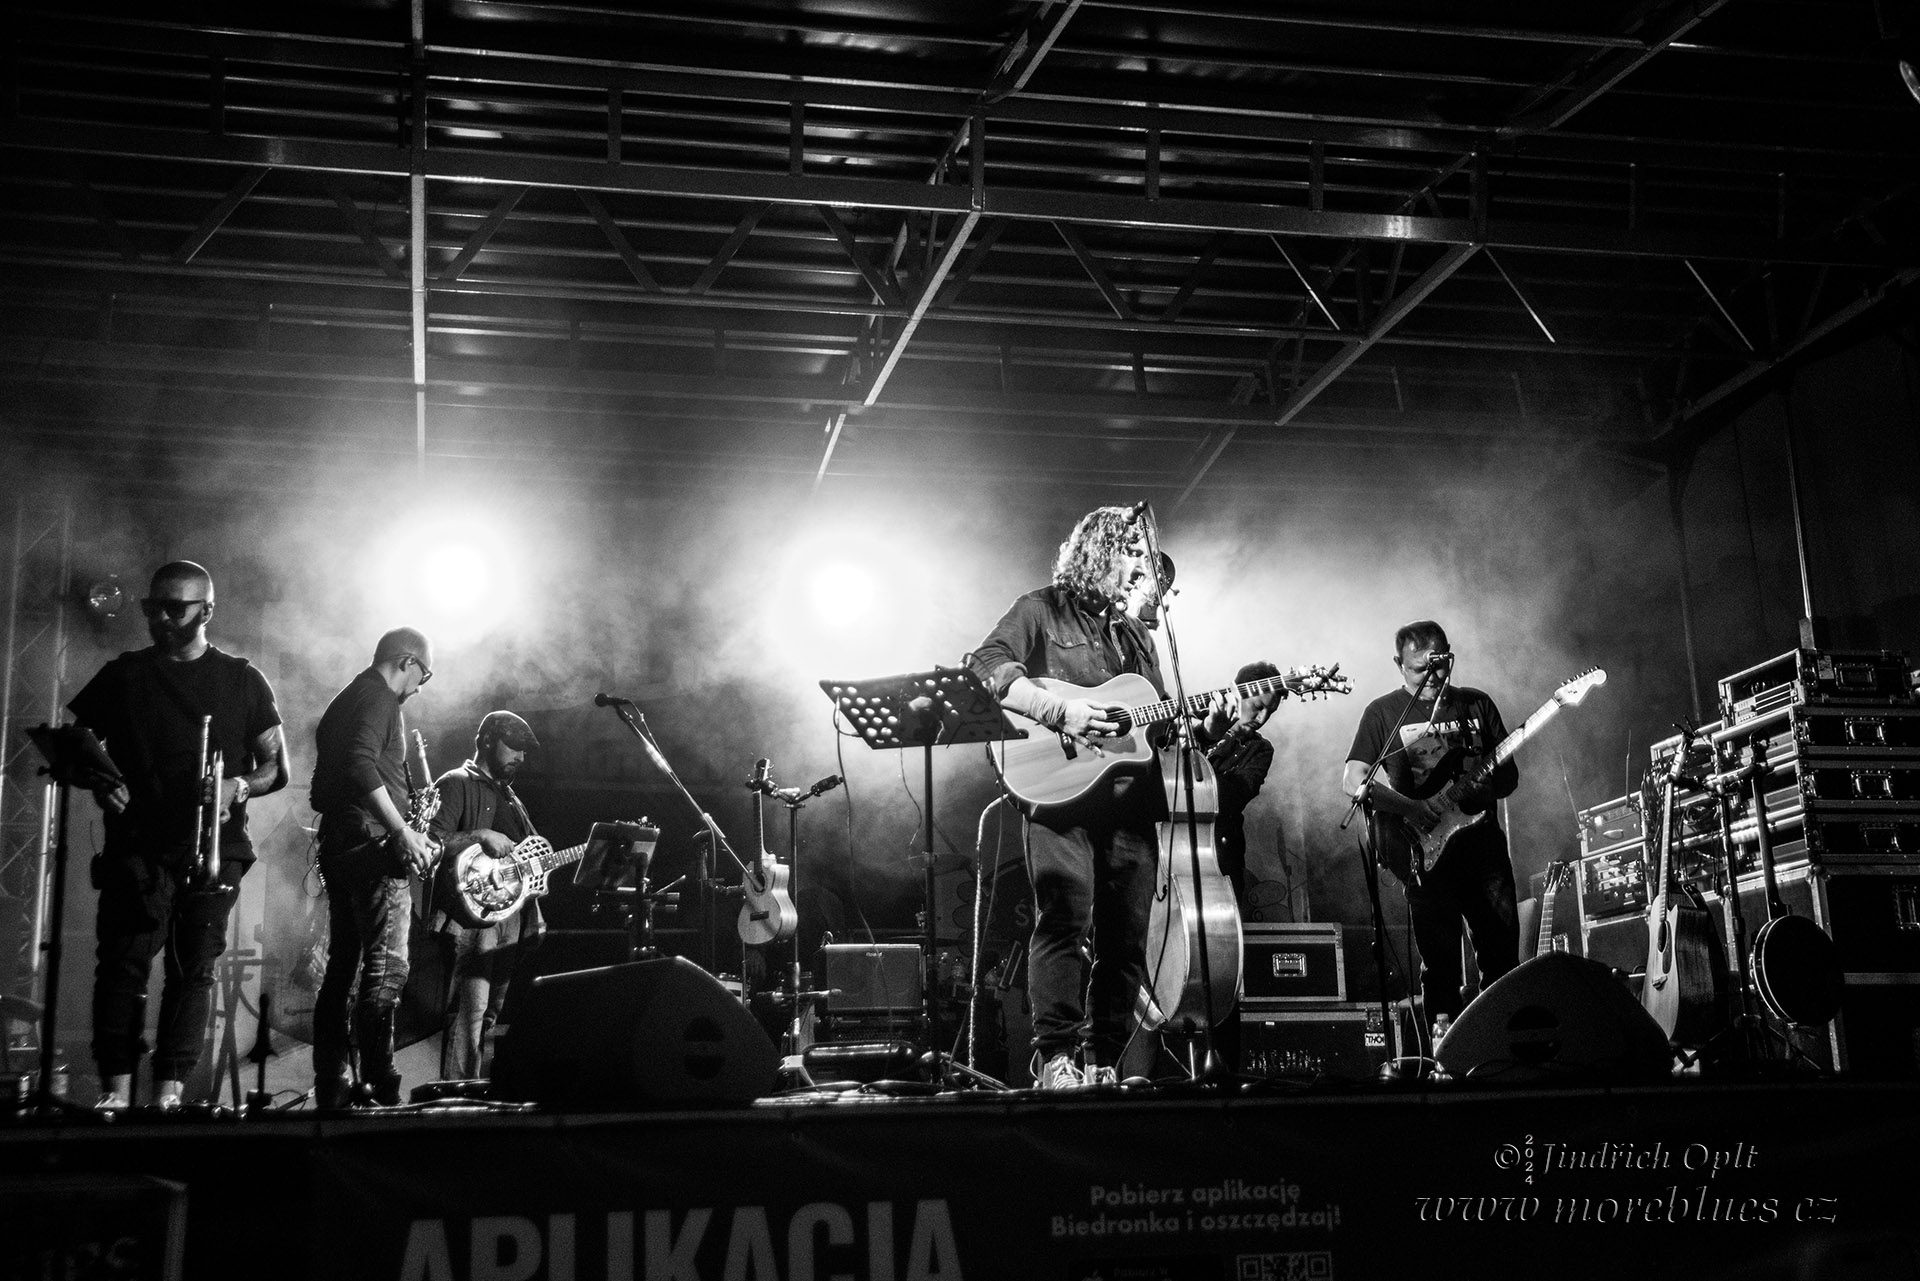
{"x": 241, "y": 790}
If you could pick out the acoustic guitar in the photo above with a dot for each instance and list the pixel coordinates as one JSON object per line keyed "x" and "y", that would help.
{"x": 481, "y": 890}
{"x": 1685, "y": 980}
{"x": 1050, "y": 769}
{"x": 768, "y": 914}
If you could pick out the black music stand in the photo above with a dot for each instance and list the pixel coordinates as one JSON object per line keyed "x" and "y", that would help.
{"x": 616, "y": 865}
{"x": 74, "y": 758}
{"x": 939, "y": 708}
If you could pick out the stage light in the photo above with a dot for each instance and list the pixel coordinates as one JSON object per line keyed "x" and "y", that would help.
{"x": 454, "y": 578}
{"x": 843, "y": 594}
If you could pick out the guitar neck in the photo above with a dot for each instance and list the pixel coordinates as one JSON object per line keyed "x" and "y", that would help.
{"x": 1505, "y": 749}
{"x": 560, "y": 858}
{"x": 1166, "y": 709}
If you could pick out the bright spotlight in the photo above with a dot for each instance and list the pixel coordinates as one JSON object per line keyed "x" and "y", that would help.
{"x": 843, "y": 594}
{"x": 453, "y": 579}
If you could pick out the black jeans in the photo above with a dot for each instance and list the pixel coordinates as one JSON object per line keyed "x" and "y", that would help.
{"x": 1088, "y": 882}
{"x": 144, "y": 911}
{"x": 1472, "y": 882}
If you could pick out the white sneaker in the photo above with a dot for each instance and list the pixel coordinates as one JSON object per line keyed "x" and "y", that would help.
{"x": 1100, "y": 1074}
{"x": 111, "y": 1101}
{"x": 1059, "y": 1073}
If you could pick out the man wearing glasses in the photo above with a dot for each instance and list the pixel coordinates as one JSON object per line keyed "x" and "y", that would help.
{"x": 149, "y": 706}
{"x": 367, "y": 853}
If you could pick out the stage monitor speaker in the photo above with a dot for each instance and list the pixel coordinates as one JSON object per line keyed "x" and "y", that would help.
{"x": 648, "y": 1033}
{"x": 1557, "y": 1017}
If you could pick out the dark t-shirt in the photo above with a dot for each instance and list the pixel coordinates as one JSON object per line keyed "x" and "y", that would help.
{"x": 1467, "y": 719}
{"x": 148, "y": 710}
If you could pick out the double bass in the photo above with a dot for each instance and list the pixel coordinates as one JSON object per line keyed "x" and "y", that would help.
{"x": 1193, "y": 925}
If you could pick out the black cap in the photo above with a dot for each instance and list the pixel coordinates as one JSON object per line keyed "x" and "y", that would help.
{"x": 508, "y": 729}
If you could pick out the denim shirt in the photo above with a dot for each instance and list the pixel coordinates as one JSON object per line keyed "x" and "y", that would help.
{"x": 1051, "y": 632}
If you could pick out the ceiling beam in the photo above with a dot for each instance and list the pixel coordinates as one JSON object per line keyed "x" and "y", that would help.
{"x": 1323, "y": 377}
{"x": 1076, "y": 206}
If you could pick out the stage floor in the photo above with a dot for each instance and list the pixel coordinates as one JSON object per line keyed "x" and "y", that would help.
{"x": 1698, "y": 1179}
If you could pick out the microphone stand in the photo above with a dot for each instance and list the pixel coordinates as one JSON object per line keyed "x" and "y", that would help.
{"x": 631, "y": 717}
{"x": 1207, "y": 1066}
{"x": 1370, "y": 868}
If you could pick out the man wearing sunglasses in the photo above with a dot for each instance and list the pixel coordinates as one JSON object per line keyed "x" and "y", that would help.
{"x": 149, "y": 706}
{"x": 367, "y": 854}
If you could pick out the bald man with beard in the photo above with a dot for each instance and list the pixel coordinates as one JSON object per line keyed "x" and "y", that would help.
{"x": 148, "y": 706}
{"x": 367, "y": 854}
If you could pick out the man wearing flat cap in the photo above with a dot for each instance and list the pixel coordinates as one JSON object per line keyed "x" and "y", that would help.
{"x": 478, "y": 807}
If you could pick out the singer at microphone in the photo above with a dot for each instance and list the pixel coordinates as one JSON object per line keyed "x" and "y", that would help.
{"x": 1420, "y": 758}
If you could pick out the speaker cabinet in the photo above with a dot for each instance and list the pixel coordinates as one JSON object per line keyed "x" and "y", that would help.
{"x": 1557, "y": 1017}
{"x": 648, "y": 1033}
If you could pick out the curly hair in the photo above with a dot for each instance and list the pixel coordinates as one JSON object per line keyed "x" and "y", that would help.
{"x": 1087, "y": 562}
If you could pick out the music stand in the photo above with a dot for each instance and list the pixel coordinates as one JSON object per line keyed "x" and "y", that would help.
{"x": 74, "y": 758}
{"x": 938, "y": 708}
{"x": 616, "y": 863}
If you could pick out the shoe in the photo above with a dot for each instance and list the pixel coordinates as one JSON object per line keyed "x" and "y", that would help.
{"x": 168, "y": 1099}
{"x": 111, "y": 1101}
{"x": 1059, "y": 1073}
{"x": 1100, "y": 1074}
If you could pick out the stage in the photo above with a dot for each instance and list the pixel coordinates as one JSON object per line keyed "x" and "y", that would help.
{"x": 1691, "y": 1180}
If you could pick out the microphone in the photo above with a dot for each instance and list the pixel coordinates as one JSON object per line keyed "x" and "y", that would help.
{"x": 793, "y": 795}
{"x": 1138, "y": 510}
{"x": 762, "y": 780}
{"x": 611, "y": 700}
{"x": 1439, "y": 660}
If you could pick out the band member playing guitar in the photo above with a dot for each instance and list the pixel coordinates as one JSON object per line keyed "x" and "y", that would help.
{"x": 372, "y": 839}
{"x": 478, "y": 806}
{"x": 1092, "y": 862}
{"x": 1426, "y": 735}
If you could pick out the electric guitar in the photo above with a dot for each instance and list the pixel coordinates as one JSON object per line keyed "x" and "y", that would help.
{"x": 1049, "y": 769}
{"x": 1434, "y": 828}
{"x": 481, "y": 890}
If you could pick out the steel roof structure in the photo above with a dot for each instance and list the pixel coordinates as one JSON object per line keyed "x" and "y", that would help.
{"x": 1153, "y": 244}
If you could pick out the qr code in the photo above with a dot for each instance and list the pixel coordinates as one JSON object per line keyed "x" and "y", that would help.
{"x": 1289, "y": 1265}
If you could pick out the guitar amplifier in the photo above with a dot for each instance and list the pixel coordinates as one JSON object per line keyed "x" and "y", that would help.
{"x": 1337, "y": 1039}
{"x": 873, "y": 978}
{"x": 1804, "y": 677}
{"x": 1290, "y": 963}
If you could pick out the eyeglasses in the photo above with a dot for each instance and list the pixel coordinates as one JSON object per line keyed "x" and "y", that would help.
{"x": 177, "y": 610}
{"x": 426, "y": 673}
